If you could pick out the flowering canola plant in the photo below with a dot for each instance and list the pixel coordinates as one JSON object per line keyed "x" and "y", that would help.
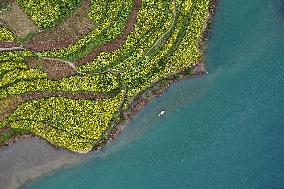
{"x": 165, "y": 40}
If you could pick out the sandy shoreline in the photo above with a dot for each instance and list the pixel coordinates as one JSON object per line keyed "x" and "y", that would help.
{"x": 30, "y": 158}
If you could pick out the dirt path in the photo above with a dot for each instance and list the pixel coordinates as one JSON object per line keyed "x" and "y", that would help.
{"x": 57, "y": 68}
{"x": 11, "y": 48}
{"x": 18, "y": 21}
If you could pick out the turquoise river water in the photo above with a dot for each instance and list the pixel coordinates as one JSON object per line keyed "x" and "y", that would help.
{"x": 223, "y": 130}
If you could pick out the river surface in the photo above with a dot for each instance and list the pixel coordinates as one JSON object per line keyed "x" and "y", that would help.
{"x": 223, "y": 130}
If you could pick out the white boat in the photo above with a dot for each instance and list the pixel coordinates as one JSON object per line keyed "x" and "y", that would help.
{"x": 161, "y": 113}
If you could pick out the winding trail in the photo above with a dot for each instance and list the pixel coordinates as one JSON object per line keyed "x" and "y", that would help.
{"x": 72, "y": 65}
{"x": 164, "y": 34}
{"x": 12, "y": 48}
{"x": 107, "y": 47}
{"x": 71, "y": 95}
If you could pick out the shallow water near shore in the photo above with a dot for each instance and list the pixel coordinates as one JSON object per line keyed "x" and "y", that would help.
{"x": 30, "y": 158}
{"x": 223, "y": 130}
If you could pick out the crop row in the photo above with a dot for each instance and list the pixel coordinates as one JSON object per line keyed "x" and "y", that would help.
{"x": 6, "y": 35}
{"x": 182, "y": 44}
{"x": 179, "y": 52}
{"x": 102, "y": 11}
{"x": 150, "y": 67}
{"x": 189, "y": 49}
{"x": 19, "y": 74}
{"x": 137, "y": 71}
{"x": 152, "y": 21}
{"x": 111, "y": 26}
{"x": 46, "y": 13}
{"x": 65, "y": 122}
{"x": 17, "y": 78}
{"x": 15, "y": 56}
{"x": 96, "y": 83}
{"x": 164, "y": 41}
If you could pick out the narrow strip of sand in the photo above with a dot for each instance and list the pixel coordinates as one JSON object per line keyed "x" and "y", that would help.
{"x": 30, "y": 158}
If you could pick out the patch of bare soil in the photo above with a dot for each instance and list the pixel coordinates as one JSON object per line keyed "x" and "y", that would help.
{"x": 135, "y": 107}
{"x": 9, "y": 105}
{"x": 117, "y": 42}
{"x": 9, "y": 44}
{"x": 198, "y": 69}
{"x": 55, "y": 69}
{"x": 5, "y": 129}
{"x": 17, "y": 20}
{"x": 66, "y": 33}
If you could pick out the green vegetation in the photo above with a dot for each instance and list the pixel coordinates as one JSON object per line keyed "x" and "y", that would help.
{"x": 27, "y": 37}
{"x": 6, "y": 35}
{"x": 46, "y": 13}
{"x": 82, "y": 122}
{"x": 110, "y": 24}
{"x": 165, "y": 40}
{"x": 5, "y": 5}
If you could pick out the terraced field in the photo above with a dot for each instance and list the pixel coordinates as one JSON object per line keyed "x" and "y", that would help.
{"x": 92, "y": 64}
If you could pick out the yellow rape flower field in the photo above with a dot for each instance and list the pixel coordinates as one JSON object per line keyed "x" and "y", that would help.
{"x": 72, "y": 88}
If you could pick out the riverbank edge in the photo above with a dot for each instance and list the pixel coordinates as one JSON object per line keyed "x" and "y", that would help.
{"x": 153, "y": 91}
{"x": 157, "y": 88}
